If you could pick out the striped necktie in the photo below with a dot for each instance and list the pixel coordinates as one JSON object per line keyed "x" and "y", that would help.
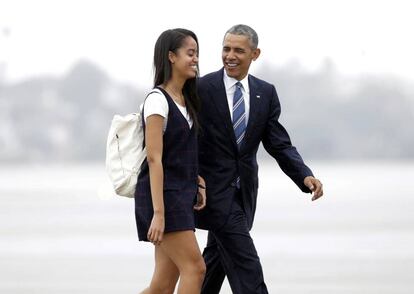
{"x": 239, "y": 119}
{"x": 239, "y": 115}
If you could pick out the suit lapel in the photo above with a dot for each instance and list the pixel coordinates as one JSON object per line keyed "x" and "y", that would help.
{"x": 219, "y": 97}
{"x": 255, "y": 101}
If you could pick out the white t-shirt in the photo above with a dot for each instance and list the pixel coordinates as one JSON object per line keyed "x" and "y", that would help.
{"x": 156, "y": 103}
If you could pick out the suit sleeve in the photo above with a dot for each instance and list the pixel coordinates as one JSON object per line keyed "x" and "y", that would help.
{"x": 277, "y": 143}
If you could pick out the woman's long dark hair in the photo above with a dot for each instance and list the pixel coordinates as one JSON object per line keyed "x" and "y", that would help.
{"x": 172, "y": 40}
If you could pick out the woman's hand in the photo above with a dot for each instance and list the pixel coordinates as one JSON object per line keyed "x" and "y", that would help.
{"x": 201, "y": 194}
{"x": 156, "y": 230}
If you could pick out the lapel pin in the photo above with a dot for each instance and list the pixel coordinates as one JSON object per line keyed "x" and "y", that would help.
{"x": 258, "y": 96}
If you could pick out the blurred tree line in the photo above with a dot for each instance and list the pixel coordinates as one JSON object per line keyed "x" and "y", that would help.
{"x": 328, "y": 115}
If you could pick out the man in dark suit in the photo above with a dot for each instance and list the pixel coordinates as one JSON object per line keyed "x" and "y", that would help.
{"x": 238, "y": 112}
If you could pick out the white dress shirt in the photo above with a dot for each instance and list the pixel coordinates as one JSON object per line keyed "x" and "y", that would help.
{"x": 230, "y": 86}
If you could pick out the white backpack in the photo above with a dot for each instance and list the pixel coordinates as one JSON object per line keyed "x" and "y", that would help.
{"x": 125, "y": 152}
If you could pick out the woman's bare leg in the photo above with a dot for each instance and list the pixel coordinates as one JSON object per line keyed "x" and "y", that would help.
{"x": 165, "y": 274}
{"x": 182, "y": 248}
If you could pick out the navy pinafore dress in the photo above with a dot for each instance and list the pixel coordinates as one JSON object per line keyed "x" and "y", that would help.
{"x": 180, "y": 165}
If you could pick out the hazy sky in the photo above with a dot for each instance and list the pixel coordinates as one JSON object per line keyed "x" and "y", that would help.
{"x": 46, "y": 37}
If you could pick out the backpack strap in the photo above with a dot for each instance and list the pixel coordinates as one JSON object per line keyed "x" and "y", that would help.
{"x": 143, "y": 104}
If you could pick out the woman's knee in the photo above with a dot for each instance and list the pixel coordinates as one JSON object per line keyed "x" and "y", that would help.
{"x": 202, "y": 267}
{"x": 196, "y": 268}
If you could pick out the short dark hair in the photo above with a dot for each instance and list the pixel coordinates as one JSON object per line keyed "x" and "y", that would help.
{"x": 171, "y": 41}
{"x": 245, "y": 30}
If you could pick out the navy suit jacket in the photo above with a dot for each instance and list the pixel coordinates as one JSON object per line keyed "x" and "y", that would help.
{"x": 221, "y": 162}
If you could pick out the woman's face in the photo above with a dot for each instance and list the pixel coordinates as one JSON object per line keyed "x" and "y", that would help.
{"x": 184, "y": 62}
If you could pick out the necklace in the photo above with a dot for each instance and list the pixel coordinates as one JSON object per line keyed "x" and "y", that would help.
{"x": 179, "y": 98}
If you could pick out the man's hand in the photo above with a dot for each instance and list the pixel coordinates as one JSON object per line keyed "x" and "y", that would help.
{"x": 315, "y": 186}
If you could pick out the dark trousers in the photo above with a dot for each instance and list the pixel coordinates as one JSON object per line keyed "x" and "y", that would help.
{"x": 230, "y": 251}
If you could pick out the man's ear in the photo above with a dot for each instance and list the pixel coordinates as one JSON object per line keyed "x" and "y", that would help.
{"x": 256, "y": 54}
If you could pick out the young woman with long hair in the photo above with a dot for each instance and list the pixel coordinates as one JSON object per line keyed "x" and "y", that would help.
{"x": 169, "y": 188}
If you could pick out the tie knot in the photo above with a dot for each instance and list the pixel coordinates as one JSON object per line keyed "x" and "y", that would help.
{"x": 239, "y": 85}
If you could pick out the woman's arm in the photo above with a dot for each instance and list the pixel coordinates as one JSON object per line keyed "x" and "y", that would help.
{"x": 154, "y": 144}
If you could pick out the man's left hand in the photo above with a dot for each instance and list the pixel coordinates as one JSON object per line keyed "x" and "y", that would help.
{"x": 315, "y": 186}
